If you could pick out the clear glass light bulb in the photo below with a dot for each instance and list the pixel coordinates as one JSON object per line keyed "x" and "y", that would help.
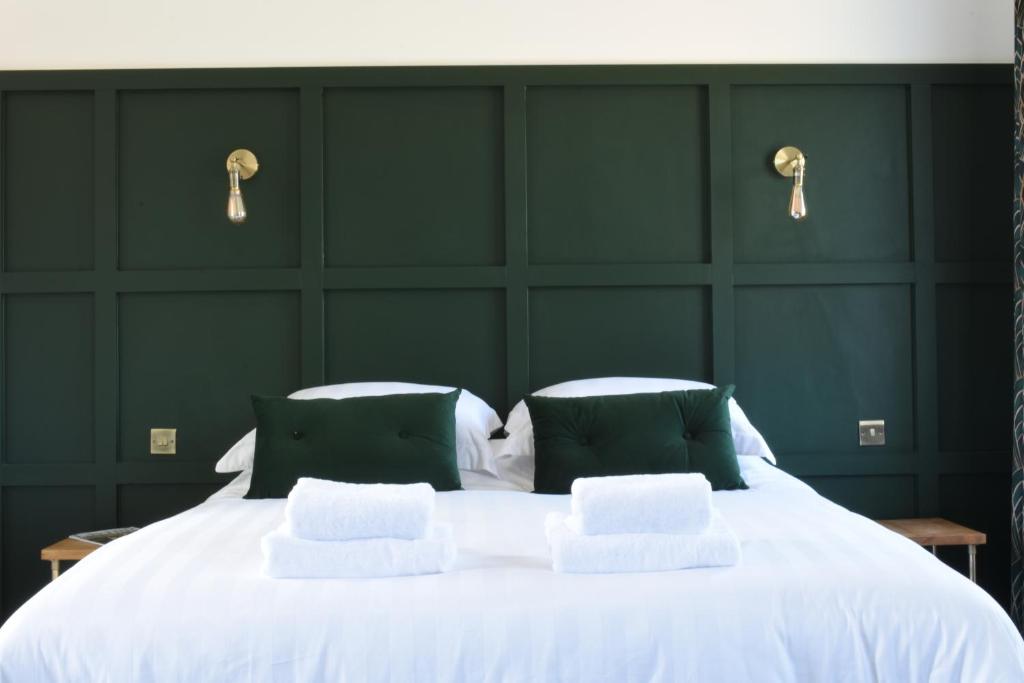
{"x": 236, "y": 206}
{"x": 797, "y": 205}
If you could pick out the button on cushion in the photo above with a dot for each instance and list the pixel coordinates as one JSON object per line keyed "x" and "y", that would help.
{"x": 672, "y": 431}
{"x": 392, "y": 439}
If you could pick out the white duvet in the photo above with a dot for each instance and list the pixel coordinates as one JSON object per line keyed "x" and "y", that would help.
{"x": 820, "y": 595}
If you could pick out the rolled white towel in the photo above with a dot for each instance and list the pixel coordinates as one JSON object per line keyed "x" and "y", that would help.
{"x": 610, "y": 553}
{"x": 287, "y": 557}
{"x": 321, "y": 510}
{"x": 641, "y": 503}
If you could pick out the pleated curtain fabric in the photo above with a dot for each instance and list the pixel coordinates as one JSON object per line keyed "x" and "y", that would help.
{"x": 1017, "y": 523}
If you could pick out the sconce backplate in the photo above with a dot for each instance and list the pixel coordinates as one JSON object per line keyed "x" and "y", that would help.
{"x": 247, "y": 164}
{"x": 787, "y": 159}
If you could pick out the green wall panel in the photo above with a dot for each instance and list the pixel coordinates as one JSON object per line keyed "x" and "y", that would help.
{"x": 878, "y": 497}
{"x": 982, "y": 502}
{"x": 855, "y": 139}
{"x": 47, "y": 180}
{"x": 502, "y": 228}
{"x": 172, "y": 180}
{"x": 812, "y": 361}
{"x": 48, "y": 378}
{"x": 434, "y": 336}
{"x": 973, "y": 145}
{"x": 191, "y": 361}
{"x": 414, "y": 176}
{"x": 142, "y": 504}
{"x": 33, "y": 518}
{"x": 629, "y": 331}
{"x": 617, "y": 174}
{"x": 975, "y": 371}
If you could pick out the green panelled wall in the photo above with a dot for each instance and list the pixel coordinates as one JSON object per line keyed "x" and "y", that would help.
{"x": 502, "y": 228}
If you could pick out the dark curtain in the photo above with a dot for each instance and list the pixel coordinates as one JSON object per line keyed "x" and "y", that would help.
{"x": 1017, "y": 496}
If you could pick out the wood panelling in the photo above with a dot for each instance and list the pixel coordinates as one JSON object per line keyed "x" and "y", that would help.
{"x": 852, "y": 360}
{"x": 502, "y": 228}
{"x": 973, "y": 173}
{"x": 48, "y": 378}
{"x": 857, "y": 144}
{"x": 192, "y": 361}
{"x": 172, "y": 180}
{"x": 48, "y": 188}
{"x": 430, "y": 336}
{"x": 975, "y": 371}
{"x": 619, "y": 331}
{"x": 617, "y": 174}
{"x": 878, "y": 497}
{"x": 141, "y": 504}
{"x": 414, "y": 177}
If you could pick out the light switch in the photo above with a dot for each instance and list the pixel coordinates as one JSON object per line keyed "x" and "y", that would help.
{"x": 163, "y": 441}
{"x": 872, "y": 432}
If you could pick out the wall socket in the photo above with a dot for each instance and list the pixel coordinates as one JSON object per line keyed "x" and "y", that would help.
{"x": 163, "y": 441}
{"x": 872, "y": 432}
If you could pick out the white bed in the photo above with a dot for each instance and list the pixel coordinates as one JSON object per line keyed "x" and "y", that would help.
{"x": 821, "y": 595}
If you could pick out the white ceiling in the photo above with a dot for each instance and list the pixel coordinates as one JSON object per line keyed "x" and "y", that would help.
{"x": 61, "y": 34}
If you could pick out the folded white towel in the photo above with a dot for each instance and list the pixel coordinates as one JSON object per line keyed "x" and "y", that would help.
{"x": 607, "y": 553}
{"x": 287, "y": 557}
{"x": 320, "y": 510}
{"x": 641, "y": 503}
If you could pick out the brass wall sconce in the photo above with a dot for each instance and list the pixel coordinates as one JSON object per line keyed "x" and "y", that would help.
{"x": 791, "y": 163}
{"x": 242, "y": 165}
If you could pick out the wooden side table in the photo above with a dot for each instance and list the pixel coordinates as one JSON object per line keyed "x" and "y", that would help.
{"x": 67, "y": 549}
{"x": 935, "y": 531}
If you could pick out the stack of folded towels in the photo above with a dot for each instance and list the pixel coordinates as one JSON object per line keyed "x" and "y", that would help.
{"x": 339, "y": 530}
{"x": 640, "y": 523}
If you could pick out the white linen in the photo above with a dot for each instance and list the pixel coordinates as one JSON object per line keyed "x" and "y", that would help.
{"x": 474, "y": 422}
{"x": 474, "y": 480}
{"x": 515, "y": 472}
{"x": 641, "y": 503}
{"x": 576, "y": 553}
{"x": 516, "y": 459}
{"x": 321, "y": 510}
{"x": 821, "y": 595}
{"x": 471, "y": 481}
{"x": 288, "y": 557}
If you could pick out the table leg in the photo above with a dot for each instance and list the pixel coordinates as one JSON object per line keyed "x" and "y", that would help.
{"x": 972, "y": 562}
{"x": 934, "y": 551}
{"x": 54, "y": 569}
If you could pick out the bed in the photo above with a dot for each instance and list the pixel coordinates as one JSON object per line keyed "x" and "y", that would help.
{"x": 821, "y": 594}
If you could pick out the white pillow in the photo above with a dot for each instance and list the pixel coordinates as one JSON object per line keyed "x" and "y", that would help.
{"x": 474, "y": 422}
{"x": 516, "y": 453}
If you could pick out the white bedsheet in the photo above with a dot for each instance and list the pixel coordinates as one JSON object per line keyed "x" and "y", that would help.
{"x": 820, "y": 595}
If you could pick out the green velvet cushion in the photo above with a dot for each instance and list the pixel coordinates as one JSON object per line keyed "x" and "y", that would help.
{"x": 597, "y": 436}
{"x": 396, "y": 439}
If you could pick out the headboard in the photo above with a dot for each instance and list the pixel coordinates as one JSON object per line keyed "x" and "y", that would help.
{"x": 502, "y": 229}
